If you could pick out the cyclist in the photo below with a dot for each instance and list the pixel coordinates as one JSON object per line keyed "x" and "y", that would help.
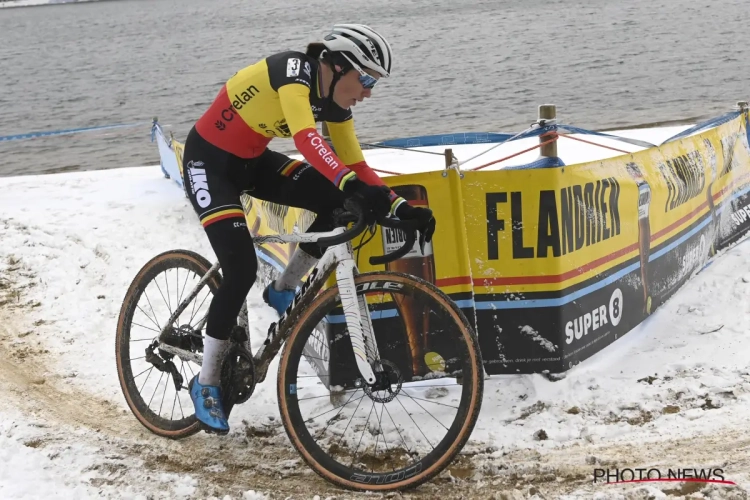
{"x": 226, "y": 153}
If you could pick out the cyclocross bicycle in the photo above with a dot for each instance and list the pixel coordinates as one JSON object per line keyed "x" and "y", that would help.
{"x": 380, "y": 380}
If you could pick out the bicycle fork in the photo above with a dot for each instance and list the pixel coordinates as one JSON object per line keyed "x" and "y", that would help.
{"x": 358, "y": 321}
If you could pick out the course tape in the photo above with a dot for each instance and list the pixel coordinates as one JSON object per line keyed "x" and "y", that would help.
{"x": 49, "y": 133}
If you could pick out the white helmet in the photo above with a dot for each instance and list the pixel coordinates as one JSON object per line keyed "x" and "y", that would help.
{"x": 361, "y": 45}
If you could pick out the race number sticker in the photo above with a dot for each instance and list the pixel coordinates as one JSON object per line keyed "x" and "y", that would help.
{"x": 292, "y": 67}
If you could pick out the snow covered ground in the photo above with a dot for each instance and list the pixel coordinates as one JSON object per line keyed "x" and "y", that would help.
{"x": 674, "y": 393}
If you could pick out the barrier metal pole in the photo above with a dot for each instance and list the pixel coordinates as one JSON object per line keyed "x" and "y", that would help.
{"x": 546, "y": 112}
{"x": 448, "y": 158}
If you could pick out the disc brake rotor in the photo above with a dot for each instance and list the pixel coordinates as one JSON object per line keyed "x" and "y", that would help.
{"x": 383, "y": 390}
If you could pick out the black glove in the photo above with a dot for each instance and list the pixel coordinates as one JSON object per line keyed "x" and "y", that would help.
{"x": 422, "y": 215}
{"x": 374, "y": 200}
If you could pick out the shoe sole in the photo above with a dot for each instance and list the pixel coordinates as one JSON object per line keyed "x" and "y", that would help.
{"x": 210, "y": 430}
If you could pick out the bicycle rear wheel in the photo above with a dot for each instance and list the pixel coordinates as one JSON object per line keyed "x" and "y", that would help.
{"x": 404, "y": 431}
{"x": 154, "y": 382}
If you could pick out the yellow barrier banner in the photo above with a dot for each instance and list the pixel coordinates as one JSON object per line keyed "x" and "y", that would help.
{"x": 553, "y": 264}
{"x": 566, "y": 260}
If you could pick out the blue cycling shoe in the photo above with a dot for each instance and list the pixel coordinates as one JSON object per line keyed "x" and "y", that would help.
{"x": 278, "y": 300}
{"x": 208, "y": 407}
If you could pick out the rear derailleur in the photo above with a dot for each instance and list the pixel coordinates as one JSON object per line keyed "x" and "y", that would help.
{"x": 185, "y": 338}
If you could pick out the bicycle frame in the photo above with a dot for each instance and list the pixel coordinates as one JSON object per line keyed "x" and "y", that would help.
{"x": 338, "y": 258}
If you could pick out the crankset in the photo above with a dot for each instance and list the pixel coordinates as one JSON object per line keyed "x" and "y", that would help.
{"x": 237, "y": 377}
{"x": 164, "y": 365}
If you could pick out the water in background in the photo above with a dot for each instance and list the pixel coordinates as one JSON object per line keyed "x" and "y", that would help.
{"x": 470, "y": 65}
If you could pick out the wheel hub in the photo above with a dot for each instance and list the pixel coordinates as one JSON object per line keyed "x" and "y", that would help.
{"x": 183, "y": 337}
{"x": 387, "y": 384}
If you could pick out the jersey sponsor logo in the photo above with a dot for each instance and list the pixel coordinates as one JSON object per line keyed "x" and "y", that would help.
{"x": 228, "y": 114}
{"x": 199, "y": 183}
{"x": 307, "y": 70}
{"x": 292, "y": 67}
{"x": 244, "y": 97}
{"x": 320, "y": 146}
{"x": 282, "y": 127}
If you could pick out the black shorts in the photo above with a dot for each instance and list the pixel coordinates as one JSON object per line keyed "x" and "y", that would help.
{"x": 214, "y": 180}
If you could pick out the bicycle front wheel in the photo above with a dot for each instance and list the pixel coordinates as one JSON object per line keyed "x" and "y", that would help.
{"x": 404, "y": 430}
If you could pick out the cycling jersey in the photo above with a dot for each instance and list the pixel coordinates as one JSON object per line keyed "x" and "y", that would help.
{"x": 280, "y": 96}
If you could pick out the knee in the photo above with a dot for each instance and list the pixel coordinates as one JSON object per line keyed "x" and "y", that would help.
{"x": 236, "y": 253}
{"x": 240, "y": 273}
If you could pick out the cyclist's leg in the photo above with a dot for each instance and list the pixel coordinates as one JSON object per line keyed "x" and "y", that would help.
{"x": 211, "y": 178}
{"x": 279, "y": 179}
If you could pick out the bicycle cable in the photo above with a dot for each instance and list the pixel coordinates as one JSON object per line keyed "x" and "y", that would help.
{"x": 371, "y": 230}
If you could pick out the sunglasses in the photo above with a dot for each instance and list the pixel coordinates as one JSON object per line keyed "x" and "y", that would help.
{"x": 366, "y": 80}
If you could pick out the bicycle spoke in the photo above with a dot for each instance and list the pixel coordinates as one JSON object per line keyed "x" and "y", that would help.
{"x": 179, "y": 401}
{"x": 146, "y": 328}
{"x": 147, "y": 377}
{"x": 333, "y": 409}
{"x": 174, "y": 404}
{"x": 380, "y": 428}
{"x": 155, "y": 389}
{"x": 162, "y": 296}
{"x": 149, "y": 317}
{"x": 425, "y": 410}
{"x": 144, "y": 371}
{"x": 182, "y": 370}
{"x": 166, "y": 386}
{"x": 428, "y": 401}
{"x": 332, "y": 419}
{"x": 399, "y": 432}
{"x": 415, "y": 423}
{"x": 152, "y": 310}
{"x": 184, "y": 286}
{"x": 169, "y": 302}
{"x": 419, "y": 386}
{"x": 350, "y": 420}
{"x": 326, "y": 395}
{"x": 363, "y": 433}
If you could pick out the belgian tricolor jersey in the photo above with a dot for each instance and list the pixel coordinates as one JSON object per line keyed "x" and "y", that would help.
{"x": 280, "y": 96}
